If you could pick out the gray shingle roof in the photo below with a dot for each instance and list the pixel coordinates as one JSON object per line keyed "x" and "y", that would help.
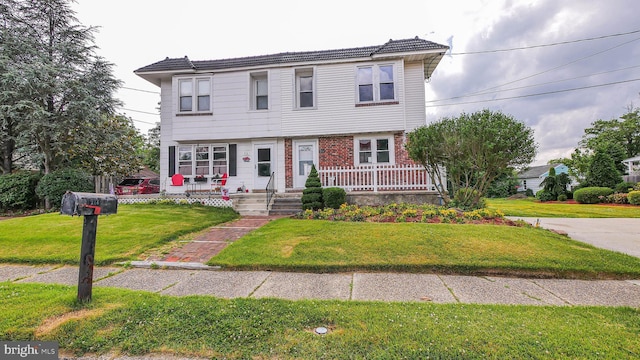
{"x": 535, "y": 171}
{"x": 391, "y": 47}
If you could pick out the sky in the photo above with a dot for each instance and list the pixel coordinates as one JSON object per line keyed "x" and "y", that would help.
{"x": 588, "y": 68}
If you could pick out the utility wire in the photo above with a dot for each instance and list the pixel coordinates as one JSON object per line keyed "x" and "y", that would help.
{"x": 140, "y": 90}
{"x": 545, "y": 45}
{"x": 141, "y": 112}
{"x": 534, "y": 85}
{"x": 538, "y": 94}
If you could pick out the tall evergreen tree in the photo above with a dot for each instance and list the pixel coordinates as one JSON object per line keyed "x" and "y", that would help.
{"x": 54, "y": 85}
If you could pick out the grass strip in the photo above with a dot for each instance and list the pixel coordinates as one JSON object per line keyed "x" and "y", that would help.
{"x": 138, "y": 323}
{"x": 326, "y": 246}
{"x": 55, "y": 238}
{"x": 532, "y": 208}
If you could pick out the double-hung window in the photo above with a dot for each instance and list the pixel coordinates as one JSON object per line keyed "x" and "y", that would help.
{"x": 259, "y": 91}
{"x": 203, "y": 160}
{"x": 375, "y": 83}
{"x": 374, "y": 150}
{"x": 194, "y": 95}
{"x": 305, "y": 85}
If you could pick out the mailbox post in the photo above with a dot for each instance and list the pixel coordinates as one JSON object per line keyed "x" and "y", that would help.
{"x": 90, "y": 206}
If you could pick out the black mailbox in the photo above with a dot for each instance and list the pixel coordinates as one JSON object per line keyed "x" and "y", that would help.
{"x": 84, "y": 204}
{"x": 89, "y": 205}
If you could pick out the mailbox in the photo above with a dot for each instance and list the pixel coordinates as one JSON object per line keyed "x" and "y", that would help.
{"x": 89, "y": 205}
{"x": 85, "y": 204}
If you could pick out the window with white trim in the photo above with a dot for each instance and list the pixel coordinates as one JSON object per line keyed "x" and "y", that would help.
{"x": 375, "y": 83}
{"x": 203, "y": 160}
{"x": 305, "y": 88}
{"x": 259, "y": 91}
{"x": 194, "y": 95}
{"x": 376, "y": 150}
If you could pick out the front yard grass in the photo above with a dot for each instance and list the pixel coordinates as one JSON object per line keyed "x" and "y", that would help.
{"x": 120, "y": 321}
{"x": 54, "y": 238}
{"x": 335, "y": 246}
{"x": 533, "y": 208}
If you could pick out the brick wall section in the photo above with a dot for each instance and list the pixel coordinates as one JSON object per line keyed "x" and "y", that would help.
{"x": 402, "y": 156}
{"x": 336, "y": 151}
{"x": 288, "y": 163}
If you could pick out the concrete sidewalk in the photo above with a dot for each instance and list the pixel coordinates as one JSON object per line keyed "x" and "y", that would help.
{"x": 344, "y": 286}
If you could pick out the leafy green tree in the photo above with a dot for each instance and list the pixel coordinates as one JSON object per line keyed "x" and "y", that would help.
{"x": 555, "y": 184}
{"x": 473, "y": 148}
{"x": 151, "y": 149}
{"x": 504, "y": 185}
{"x": 53, "y": 83}
{"x": 312, "y": 194}
{"x": 603, "y": 172}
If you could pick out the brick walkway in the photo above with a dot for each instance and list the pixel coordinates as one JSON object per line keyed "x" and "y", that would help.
{"x": 212, "y": 242}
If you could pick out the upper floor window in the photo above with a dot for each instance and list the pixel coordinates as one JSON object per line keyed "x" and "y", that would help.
{"x": 375, "y": 83}
{"x": 305, "y": 88}
{"x": 194, "y": 94}
{"x": 259, "y": 91}
{"x": 374, "y": 150}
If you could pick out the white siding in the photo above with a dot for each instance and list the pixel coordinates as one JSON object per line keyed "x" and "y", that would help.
{"x": 414, "y": 95}
{"x": 335, "y": 111}
{"x": 166, "y": 128}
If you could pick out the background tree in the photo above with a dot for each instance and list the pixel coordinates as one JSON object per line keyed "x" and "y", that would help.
{"x": 473, "y": 148}
{"x": 504, "y": 185}
{"x": 53, "y": 81}
{"x": 602, "y": 171}
{"x": 151, "y": 149}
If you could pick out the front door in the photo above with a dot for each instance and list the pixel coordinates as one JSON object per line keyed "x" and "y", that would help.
{"x": 304, "y": 156}
{"x": 264, "y": 165}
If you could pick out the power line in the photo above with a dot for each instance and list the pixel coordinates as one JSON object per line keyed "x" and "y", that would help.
{"x": 554, "y": 68}
{"x": 140, "y": 90}
{"x": 538, "y": 94}
{"x": 545, "y": 45}
{"x": 140, "y": 111}
{"x": 534, "y": 85}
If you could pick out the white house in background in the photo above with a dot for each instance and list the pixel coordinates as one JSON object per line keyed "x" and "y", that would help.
{"x": 532, "y": 177}
{"x": 267, "y": 118}
{"x": 633, "y": 169}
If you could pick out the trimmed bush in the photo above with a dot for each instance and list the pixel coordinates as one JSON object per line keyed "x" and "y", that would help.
{"x": 634, "y": 197}
{"x": 562, "y": 197}
{"x": 18, "y": 191}
{"x": 617, "y": 198}
{"x": 312, "y": 194}
{"x": 529, "y": 193}
{"x": 592, "y": 195}
{"x": 624, "y": 187}
{"x": 56, "y": 183}
{"x": 334, "y": 197}
{"x": 544, "y": 195}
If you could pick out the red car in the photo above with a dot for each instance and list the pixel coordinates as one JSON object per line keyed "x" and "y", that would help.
{"x": 134, "y": 186}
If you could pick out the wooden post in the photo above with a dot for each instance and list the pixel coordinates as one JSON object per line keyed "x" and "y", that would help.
{"x": 87, "y": 253}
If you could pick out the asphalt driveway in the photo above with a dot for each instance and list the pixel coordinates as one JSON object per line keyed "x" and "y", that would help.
{"x": 622, "y": 235}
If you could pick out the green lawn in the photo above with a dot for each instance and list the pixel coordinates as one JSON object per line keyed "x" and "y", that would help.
{"x": 137, "y": 323}
{"x": 55, "y": 238}
{"x": 330, "y": 246}
{"x": 533, "y": 208}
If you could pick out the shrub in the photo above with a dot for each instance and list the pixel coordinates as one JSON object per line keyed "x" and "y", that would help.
{"x": 18, "y": 191}
{"x": 592, "y": 195}
{"x": 544, "y": 195}
{"x": 312, "y": 194}
{"x": 529, "y": 193}
{"x": 562, "y": 197}
{"x": 464, "y": 199}
{"x": 56, "y": 183}
{"x": 617, "y": 198}
{"x": 634, "y": 197}
{"x": 334, "y": 197}
{"x": 624, "y": 187}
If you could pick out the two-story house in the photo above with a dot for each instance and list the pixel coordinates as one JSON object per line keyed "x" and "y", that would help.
{"x": 268, "y": 118}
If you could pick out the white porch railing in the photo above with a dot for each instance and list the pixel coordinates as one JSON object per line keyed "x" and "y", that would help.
{"x": 376, "y": 177}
